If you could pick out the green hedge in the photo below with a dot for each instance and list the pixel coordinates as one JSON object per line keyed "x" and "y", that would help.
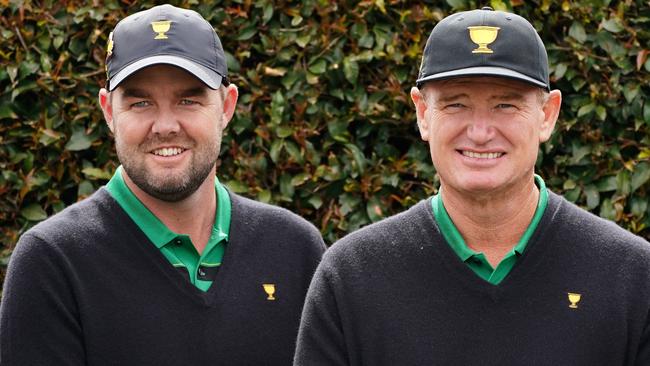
{"x": 325, "y": 125}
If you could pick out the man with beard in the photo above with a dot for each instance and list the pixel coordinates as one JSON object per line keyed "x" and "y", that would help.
{"x": 164, "y": 265}
{"x": 495, "y": 269}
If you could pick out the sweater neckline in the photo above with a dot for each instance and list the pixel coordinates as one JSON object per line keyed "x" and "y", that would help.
{"x": 527, "y": 265}
{"x": 208, "y": 298}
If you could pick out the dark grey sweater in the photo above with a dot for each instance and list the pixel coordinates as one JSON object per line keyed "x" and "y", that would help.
{"x": 86, "y": 287}
{"x": 395, "y": 293}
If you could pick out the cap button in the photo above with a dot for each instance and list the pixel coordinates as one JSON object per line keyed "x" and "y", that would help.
{"x": 487, "y": 8}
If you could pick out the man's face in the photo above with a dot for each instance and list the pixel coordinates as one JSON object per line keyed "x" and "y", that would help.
{"x": 484, "y": 132}
{"x": 167, "y": 126}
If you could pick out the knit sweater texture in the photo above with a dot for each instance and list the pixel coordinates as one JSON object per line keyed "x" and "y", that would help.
{"x": 86, "y": 287}
{"x": 395, "y": 293}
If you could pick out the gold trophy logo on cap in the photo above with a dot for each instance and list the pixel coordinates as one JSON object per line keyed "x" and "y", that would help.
{"x": 161, "y": 27}
{"x": 483, "y": 35}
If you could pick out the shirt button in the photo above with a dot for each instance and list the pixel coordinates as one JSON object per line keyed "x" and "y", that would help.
{"x": 178, "y": 242}
{"x": 201, "y": 273}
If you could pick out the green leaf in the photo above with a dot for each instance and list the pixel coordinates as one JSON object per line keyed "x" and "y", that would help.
{"x": 96, "y": 173}
{"x": 295, "y": 21}
{"x": 607, "y": 210}
{"x": 294, "y": 152}
{"x": 236, "y": 186}
{"x": 303, "y": 41}
{"x": 457, "y": 4}
{"x": 247, "y": 33}
{"x": 33, "y": 212}
{"x": 593, "y": 196}
{"x": 7, "y": 112}
{"x": 264, "y": 196}
{"x": 586, "y": 109}
{"x": 286, "y": 188}
{"x": 268, "y": 13}
{"x": 601, "y": 112}
{"x": 607, "y": 184}
{"x": 640, "y": 176}
{"x": 318, "y": 67}
{"x": 351, "y": 70}
{"x": 276, "y": 148}
{"x": 630, "y": 91}
{"x": 283, "y": 131}
{"x": 78, "y": 141}
{"x": 358, "y": 157}
{"x": 577, "y": 32}
{"x": 315, "y": 201}
{"x": 623, "y": 183}
{"x": 85, "y": 189}
{"x": 612, "y": 25}
{"x": 560, "y": 70}
{"x": 299, "y": 179}
{"x": 638, "y": 206}
{"x": 374, "y": 209}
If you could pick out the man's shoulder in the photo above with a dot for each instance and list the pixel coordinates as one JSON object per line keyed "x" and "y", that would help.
{"x": 73, "y": 227}
{"x": 256, "y": 210}
{"x": 394, "y": 235}
{"x": 585, "y": 228}
{"x": 256, "y": 218}
{"x": 85, "y": 215}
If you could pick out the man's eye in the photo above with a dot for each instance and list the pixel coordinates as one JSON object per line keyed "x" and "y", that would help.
{"x": 455, "y": 105}
{"x": 188, "y": 102}
{"x": 140, "y": 104}
{"x": 505, "y": 106}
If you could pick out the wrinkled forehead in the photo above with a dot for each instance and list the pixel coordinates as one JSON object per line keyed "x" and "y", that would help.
{"x": 479, "y": 85}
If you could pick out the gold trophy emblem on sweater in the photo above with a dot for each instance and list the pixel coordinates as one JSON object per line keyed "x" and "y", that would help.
{"x": 161, "y": 27}
{"x": 574, "y": 299}
{"x": 483, "y": 35}
{"x": 269, "y": 288}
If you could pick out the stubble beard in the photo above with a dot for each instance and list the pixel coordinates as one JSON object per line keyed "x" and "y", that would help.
{"x": 163, "y": 185}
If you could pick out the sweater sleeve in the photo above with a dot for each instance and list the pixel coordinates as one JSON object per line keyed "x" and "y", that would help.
{"x": 39, "y": 322}
{"x": 320, "y": 338}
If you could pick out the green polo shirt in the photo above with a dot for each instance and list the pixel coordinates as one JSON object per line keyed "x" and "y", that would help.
{"x": 477, "y": 261}
{"x": 200, "y": 269}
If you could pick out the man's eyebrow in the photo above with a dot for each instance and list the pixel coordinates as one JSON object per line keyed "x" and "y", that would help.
{"x": 134, "y": 93}
{"x": 452, "y": 97}
{"x": 508, "y": 96}
{"x": 199, "y": 91}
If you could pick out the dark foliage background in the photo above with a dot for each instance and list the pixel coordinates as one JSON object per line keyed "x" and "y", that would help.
{"x": 325, "y": 125}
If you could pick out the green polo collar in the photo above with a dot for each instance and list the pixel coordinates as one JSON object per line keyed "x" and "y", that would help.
{"x": 477, "y": 261}
{"x": 153, "y": 228}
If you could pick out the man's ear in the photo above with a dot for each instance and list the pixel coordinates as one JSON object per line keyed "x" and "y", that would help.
{"x": 107, "y": 107}
{"x": 420, "y": 109}
{"x": 551, "y": 113}
{"x": 229, "y": 103}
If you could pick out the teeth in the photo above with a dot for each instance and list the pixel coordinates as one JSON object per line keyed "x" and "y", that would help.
{"x": 168, "y": 151}
{"x": 472, "y": 154}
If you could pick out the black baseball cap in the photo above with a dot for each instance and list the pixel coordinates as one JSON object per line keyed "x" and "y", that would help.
{"x": 165, "y": 35}
{"x": 485, "y": 43}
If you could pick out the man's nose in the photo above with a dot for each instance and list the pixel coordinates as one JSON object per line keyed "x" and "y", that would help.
{"x": 166, "y": 122}
{"x": 480, "y": 128}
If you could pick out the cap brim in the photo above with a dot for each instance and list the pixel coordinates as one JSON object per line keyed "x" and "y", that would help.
{"x": 207, "y": 76}
{"x": 483, "y": 71}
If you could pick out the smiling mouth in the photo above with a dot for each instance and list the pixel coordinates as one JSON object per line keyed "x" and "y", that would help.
{"x": 490, "y": 155}
{"x": 168, "y": 151}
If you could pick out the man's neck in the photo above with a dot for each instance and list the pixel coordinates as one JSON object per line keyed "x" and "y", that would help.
{"x": 492, "y": 223}
{"x": 193, "y": 216}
